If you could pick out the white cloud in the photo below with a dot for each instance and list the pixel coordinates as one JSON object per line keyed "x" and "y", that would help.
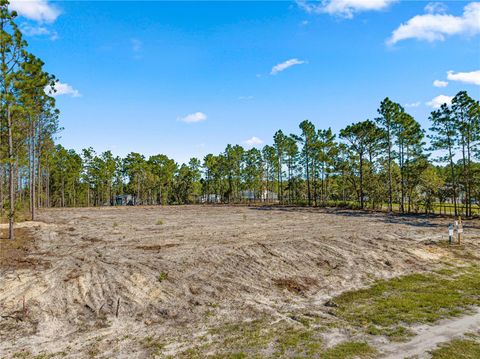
{"x": 472, "y": 77}
{"x": 438, "y": 101}
{"x": 194, "y": 117}
{"x": 413, "y": 104}
{"x": 38, "y": 10}
{"x": 245, "y": 98}
{"x": 436, "y": 8}
{"x": 254, "y": 141}
{"x": 62, "y": 89}
{"x": 437, "y": 26}
{"x": 285, "y": 65}
{"x": 343, "y": 8}
{"x": 136, "y": 45}
{"x": 439, "y": 83}
{"x": 29, "y": 30}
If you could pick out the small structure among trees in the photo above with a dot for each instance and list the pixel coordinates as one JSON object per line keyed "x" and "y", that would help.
{"x": 124, "y": 200}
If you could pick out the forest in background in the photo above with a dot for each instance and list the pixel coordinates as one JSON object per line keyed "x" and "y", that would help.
{"x": 383, "y": 163}
{"x": 387, "y": 163}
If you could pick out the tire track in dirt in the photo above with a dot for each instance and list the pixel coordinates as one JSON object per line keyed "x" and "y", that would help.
{"x": 428, "y": 337}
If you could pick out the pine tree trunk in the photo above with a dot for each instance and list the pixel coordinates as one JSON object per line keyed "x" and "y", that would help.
{"x": 11, "y": 176}
{"x": 390, "y": 190}
{"x": 361, "y": 181}
{"x": 32, "y": 174}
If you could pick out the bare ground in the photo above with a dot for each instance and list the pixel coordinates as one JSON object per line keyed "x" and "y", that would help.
{"x": 176, "y": 272}
{"x": 429, "y": 337}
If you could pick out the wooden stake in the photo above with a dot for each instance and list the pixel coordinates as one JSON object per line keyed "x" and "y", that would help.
{"x": 24, "y": 309}
{"x": 118, "y": 307}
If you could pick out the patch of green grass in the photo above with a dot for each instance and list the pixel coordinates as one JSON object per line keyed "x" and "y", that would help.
{"x": 416, "y": 298}
{"x": 22, "y": 355}
{"x": 262, "y": 339}
{"x": 297, "y": 342}
{"x": 301, "y": 319}
{"x": 349, "y": 350}
{"x": 245, "y": 335}
{"x": 162, "y": 276}
{"x": 395, "y": 333}
{"x": 153, "y": 345}
{"x": 458, "y": 349}
{"x": 29, "y": 355}
{"x": 239, "y": 355}
{"x": 93, "y": 351}
{"x": 159, "y": 222}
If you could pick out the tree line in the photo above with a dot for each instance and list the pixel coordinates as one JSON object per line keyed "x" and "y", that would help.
{"x": 379, "y": 163}
{"x": 28, "y": 121}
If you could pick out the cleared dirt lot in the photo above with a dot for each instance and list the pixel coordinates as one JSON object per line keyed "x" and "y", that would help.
{"x": 174, "y": 273}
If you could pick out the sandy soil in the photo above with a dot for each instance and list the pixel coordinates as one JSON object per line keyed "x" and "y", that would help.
{"x": 428, "y": 337}
{"x": 176, "y": 271}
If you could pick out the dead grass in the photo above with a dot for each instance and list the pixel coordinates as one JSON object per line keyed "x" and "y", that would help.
{"x": 299, "y": 285}
{"x": 17, "y": 254}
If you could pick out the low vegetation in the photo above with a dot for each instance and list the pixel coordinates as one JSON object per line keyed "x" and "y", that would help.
{"x": 458, "y": 349}
{"x": 385, "y": 307}
{"x": 153, "y": 345}
{"x": 162, "y": 276}
{"x": 350, "y": 350}
{"x": 258, "y": 339}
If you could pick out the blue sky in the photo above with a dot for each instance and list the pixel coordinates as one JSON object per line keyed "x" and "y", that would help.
{"x": 187, "y": 78}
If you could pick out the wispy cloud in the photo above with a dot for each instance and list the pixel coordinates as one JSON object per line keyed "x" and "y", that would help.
{"x": 440, "y": 83}
{"x": 437, "y": 26}
{"x": 413, "y": 104}
{"x": 285, "y": 65}
{"x": 343, "y": 8}
{"x": 38, "y": 10}
{"x": 253, "y": 141}
{"x": 436, "y": 7}
{"x": 438, "y": 101}
{"x": 61, "y": 89}
{"x": 245, "y": 98}
{"x": 136, "y": 45}
{"x": 193, "y": 117}
{"x": 29, "y": 30}
{"x": 472, "y": 77}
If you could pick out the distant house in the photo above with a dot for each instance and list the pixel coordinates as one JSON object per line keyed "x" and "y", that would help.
{"x": 264, "y": 196}
{"x": 124, "y": 200}
{"x": 210, "y": 198}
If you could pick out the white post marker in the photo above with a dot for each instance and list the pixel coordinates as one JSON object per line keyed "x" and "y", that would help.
{"x": 450, "y": 233}
{"x": 459, "y": 229}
